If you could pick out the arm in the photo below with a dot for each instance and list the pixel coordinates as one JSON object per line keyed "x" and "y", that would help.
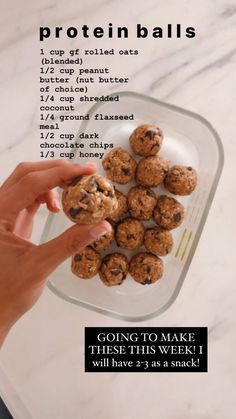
{"x": 24, "y": 265}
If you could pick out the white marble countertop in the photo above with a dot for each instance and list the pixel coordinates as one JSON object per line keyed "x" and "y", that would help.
{"x": 42, "y": 360}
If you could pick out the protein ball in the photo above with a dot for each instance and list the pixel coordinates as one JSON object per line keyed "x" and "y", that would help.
{"x": 168, "y": 213}
{"x": 121, "y": 208}
{"x": 141, "y": 202}
{"x": 89, "y": 199}
{"x": 119, "y": 166}
{"x": 146, "y": 268}
{"x": 158, "y": 241}
{"x": 86, "y": 263}
{"x": 181, "y": 180}
{"x": 114, "y": 269}
{"x": 151, "y": 171}
{"x": 104, "y": 241}
{"x": 146, "y": 140}
{"x": 129, "y": 233}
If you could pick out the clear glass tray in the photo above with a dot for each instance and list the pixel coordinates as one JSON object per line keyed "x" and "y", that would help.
{"x": 189, "y": 139}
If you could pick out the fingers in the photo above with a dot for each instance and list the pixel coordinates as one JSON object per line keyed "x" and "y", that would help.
{"x": 24, "y": 168}
{"x": 51, "y": 199}
{"x": 24, "y": 192}
{"x": 49, "y": 255}
{"x": 24, "y": 223}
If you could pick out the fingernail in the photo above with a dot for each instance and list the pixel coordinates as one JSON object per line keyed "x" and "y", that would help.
{"x": 86, "y": 165}
{"x": 99, "y": 230}
{"x": 56, "y": 204}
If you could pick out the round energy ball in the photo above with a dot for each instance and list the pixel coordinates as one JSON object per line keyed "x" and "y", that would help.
{"x": 129, "y": 233}
{"x": 181, "y": 180}
{"x": 151, "y": 171}
{"x": 85, "y": 264}
{"x": 168, "y": 213}
{"x": 146, "y": 140}
{"x": 114, "y": 269}
{"x": 146, "y": 268}
{"x": 119, "y": 165}
{"x": 121, "y": 208}
{"x": 158, "y": 241}
{"x": 141, "y": 202}
{"x": 89, "y": 199}
{"x": 103, "y": 242}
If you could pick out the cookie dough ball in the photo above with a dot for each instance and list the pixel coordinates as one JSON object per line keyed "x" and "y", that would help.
{"x": 146, "y": 268}
{"x": 86, "y": 263}
{"x": 119, "y": 165}
{"x": 168, "y": 213}
{"x": 158, "y": 241}
{"x": 141, "y": 202}
{"x": 121, "y": 209}
{"x": 104, "y": 241}
{"x": 89, "y": 199}
{"x": 146, "y": 140}
{"x": 129, "y": 234}
{"x": 151, "y": 171}
{"x": 114, "y": 269}
{"x": 181, "y": 180}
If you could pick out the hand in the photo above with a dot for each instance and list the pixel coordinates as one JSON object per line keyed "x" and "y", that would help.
{"x": 24, "y": 265}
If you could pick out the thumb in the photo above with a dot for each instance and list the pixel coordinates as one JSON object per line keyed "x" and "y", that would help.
{"x": 48, "y": 256}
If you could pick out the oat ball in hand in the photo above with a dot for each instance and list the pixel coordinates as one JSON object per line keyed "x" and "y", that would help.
{"x": 151, "y": 171}
{"x": 141, "y": 202}
{"x": 89, "y": 199}
{"x": 181, "y": 180}
{"x": 103, "y": 242}
{"x": 158, "y": 241}
{"x": 129, "y": 234}
{"x": 114, "y": 269}
{"x": 85, "y": 264}
{"x": 119, "y": 165}
{"x": 146, "y": 140}
{"x": 146, "y": 268}
{"x": 121, "y": 209}
{"x": 168, "y": 213}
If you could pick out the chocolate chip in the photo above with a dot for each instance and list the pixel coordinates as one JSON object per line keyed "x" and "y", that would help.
{"x": 74, "y": 211}
{"x": 93, "y": 182}
{"x": 150, "y": 134}
{"x": 110, "y": 194}
{"x": 106, "y": 259}
{"x": 155, "y": 145}
{"x": 148, "y": 269}
{"x": 77, "y": 258}
{"x": 115, "y": 272}
{"x": 190, "y": 168}
{"x": 147, "y": 281}
{"x": 177, "y": 217}
{"x": 148, "y": 193}
{"x": 74, "y": 181}
{"x": 130, "y": 237}
{"x": 126, "y": 170}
